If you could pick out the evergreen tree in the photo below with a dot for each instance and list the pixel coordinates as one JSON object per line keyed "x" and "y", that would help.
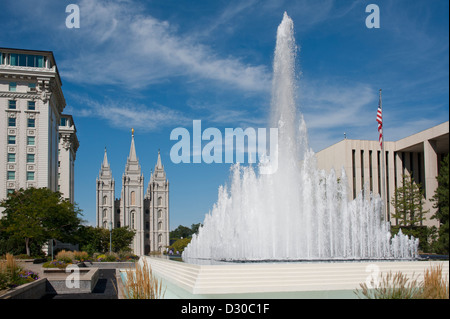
{"x": 408, "y": 202}
{"x": 441, "y": 203}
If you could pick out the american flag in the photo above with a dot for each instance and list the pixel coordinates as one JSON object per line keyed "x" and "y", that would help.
{"x": 380, "y": 122}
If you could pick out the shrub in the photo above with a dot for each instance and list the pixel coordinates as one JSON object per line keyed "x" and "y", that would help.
{"x": 180, "y": 245}
{"x": 112, "y": 257}
{"x": 66, "y": 256}
{"x": 11, "y": 275}
{"x": 101, "y": 257}
{"x": 80, "y": 256}
{"x": 56, "y": 264}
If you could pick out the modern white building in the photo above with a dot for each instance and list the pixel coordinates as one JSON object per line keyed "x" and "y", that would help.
{"x": 147, "y": 214}
{"x": 31, "y": 106}
{"x": 418, "y": 155}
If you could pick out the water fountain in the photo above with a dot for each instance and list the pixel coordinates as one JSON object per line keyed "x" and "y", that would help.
{"x": 298, "y": 213}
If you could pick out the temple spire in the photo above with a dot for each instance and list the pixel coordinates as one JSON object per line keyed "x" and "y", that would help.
{"x": 132, "y": 156}
{"x": 158, "y": 163}
{"x": 105, "y": 160}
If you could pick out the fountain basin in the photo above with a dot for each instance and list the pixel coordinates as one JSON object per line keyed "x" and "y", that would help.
{"x": 277, "y": 279}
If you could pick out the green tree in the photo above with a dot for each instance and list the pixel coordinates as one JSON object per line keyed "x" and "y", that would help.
{"x": 37, "y": 214}
{"x": 122, "y": 238}
{"x": 408, "y": 202}
{"x": 180, "y": 245}
{"x": 96, "y": 239}
{"x": 181, "y": 232}
{"x": 195, "y": 228}
{"x": 441, "y": 203}
{"x": 184, "y": 232}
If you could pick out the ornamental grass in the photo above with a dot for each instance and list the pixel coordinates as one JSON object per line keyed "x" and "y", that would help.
{"x": 12, "y": 275}
{"x": 142, "y": 284}
{"x": 398, "y": 286}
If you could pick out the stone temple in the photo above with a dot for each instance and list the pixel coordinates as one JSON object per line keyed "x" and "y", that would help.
{"x": 147, "y": 214}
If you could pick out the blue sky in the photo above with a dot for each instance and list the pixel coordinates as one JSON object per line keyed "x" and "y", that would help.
{"x": 158, "y": 65}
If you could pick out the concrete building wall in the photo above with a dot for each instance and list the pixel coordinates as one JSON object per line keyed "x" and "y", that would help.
{"x": 418, "y": 155}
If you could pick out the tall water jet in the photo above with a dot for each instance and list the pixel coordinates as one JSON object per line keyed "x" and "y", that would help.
{"x": 298, "y": 212}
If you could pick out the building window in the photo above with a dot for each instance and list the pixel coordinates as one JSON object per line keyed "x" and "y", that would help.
{"x": 35, "y": 61}
{"x": 105, "y": 211}
{"x": 11, "y": 191}
{"x": 11, "y": 175}
{"x": 31, "y": 123}
{"x": 32, "y": 86}
{"x": 132, "y": 220}
{"x": 353, "y": 174}
{"x": 12, "y": 122}
{"x": 31, "y": 105}
{"x": 159, "y": 238}
{"x": 63, "y": 121}
{"x": 30, "y": 158}
{"x": 159, "y": 213}
{"x": 11, "y": 139}
{"x": 159, "y": 225}
{"x": 30, "y": 140}
{"x": 11, "y": 157}
{"x": 133, "y": 198}
{"x": 30, "y": 176}
{"x": 159, "y": 201}
{"x": 12, "y": 104}
{"x": 12, "y": 86}
{"x": 147, "y": 225}
{"x": 105, "y": 198}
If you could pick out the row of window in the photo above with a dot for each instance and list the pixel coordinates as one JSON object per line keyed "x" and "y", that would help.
{"x": 31, "y": 123}
{"x": 147, "y": 224}
{"x": 12, "y": 105}
{"x": 12, "y": 158}
{"x": 15, "y": 59}
{"x": 13, "y": 86}
{"x": 31, "y": 140}
{"x": 11, "y": 176}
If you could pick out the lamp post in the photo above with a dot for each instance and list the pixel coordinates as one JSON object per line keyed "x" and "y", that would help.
{"x": 110, "y": 236}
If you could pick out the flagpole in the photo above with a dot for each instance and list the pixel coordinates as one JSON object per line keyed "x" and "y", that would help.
{"x": 383, "y": 168}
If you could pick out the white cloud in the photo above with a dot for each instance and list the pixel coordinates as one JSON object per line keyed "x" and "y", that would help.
{"x": 126, "y": 114}
{"x": 126, "y": 47}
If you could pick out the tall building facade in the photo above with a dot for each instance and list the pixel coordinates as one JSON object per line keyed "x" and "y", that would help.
{"x": 147, "y": 214}
{"x": 31, "y": 137}
{"x": 418, "y": 155}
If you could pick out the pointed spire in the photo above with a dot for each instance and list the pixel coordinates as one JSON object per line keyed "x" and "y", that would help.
{"x": 158, "y": 163}
{"x": 105, "y": 160}
{"x": 132, "y": 156}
